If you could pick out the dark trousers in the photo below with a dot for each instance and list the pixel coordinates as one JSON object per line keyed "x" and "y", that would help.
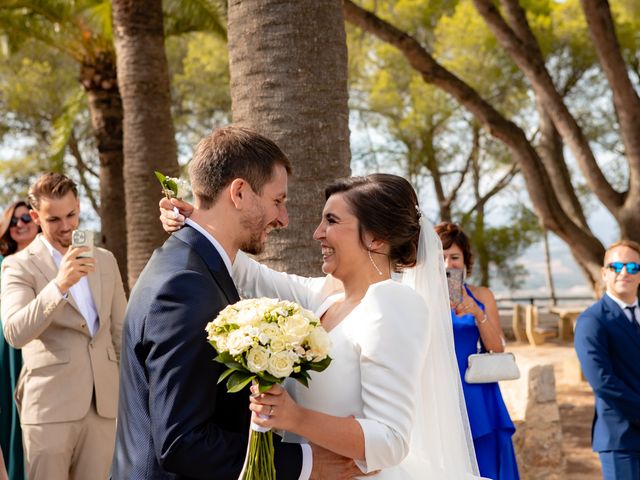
{"x": 620, "y": 465}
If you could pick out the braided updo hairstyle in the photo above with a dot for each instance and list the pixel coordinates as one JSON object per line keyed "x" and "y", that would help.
{"x": 386, "y": 207}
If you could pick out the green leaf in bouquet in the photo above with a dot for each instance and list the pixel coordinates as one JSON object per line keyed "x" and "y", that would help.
{"x": 321, "y": 365}
{"x": 302, "y": 379}
{"x": 268, "y": 377}
{"x": 238, "y": 380}
{"x": 226, "y": 373}
{"x": 229, "y": 361}
{"x": 263, "y": 385}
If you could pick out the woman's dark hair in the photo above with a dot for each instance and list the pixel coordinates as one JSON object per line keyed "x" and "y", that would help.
{"x": 8, "y": 245}
{"x": 386, "y": 206}
{"x": 452, "y": 234}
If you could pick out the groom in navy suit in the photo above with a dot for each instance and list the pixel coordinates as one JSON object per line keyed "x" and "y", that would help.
{"x": 174, "y": 421}
{"x": 607, "y": 341}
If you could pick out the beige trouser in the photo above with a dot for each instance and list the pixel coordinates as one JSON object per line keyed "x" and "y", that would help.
{"x": 79, "y": 450}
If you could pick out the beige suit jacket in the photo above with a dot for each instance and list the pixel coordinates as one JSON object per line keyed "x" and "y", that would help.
{"x": 63, "y": 364}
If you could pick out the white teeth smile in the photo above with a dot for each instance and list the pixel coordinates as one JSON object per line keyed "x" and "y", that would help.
{"x": 326, "y": 251}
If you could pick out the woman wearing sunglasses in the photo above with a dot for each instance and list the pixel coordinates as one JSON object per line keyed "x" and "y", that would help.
{"x": 17, "y": 231}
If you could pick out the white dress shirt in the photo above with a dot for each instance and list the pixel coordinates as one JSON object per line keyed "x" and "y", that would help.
{"x": 307, "y": 456}
{"x": 81, "y": 293}
{"x": 625, "y": 307}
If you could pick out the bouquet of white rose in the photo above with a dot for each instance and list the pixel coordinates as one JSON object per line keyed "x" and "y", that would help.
{"x": 266, "y": 341}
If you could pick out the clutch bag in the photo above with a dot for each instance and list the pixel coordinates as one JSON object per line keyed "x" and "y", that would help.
{"x": 491, "y": 367}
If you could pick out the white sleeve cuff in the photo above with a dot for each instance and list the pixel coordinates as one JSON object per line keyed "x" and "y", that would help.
{"x": 307, "y": 461}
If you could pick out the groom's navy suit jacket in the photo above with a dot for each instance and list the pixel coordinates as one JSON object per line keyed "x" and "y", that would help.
{"x": 608, "y": 346}
{"x": 174, "y": 421}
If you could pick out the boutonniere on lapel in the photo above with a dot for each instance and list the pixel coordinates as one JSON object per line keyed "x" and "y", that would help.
{"x": 173, "y": 187}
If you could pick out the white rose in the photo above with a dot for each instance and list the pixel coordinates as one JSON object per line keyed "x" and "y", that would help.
{"x": 319, "y": 343}
{"x": 280, "y": 364}
{"x": 268, "y": 331}
{"x": 247, "y": 316}
{"x": 237, "y": 342}
{"x": 220, "y": 342}
{"x": 296, "y": 328}
{"x": 257, "y": 359}
{"x": 277, "y": 344}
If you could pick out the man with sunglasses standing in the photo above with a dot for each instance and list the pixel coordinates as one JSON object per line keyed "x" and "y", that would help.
{"x": 607, "y": 341}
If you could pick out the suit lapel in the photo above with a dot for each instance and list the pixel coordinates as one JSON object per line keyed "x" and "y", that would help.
{"x": 95, "y": 286}
{"x": 617, "y": 317}
{"x": 212, "y": 258}
{"x": 43, "y": 261}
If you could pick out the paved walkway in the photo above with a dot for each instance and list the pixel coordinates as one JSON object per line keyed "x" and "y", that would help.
{"x": 575, "y": 401}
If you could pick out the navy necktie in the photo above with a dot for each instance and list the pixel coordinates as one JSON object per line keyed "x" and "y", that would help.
{"x": 634, "y": 319}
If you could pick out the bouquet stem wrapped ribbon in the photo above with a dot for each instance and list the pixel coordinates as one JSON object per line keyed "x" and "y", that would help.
{"x": 266, "y": 341}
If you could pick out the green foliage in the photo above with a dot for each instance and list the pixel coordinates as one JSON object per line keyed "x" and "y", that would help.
{"x": 37, "y": 88}
{"x": 199, "y": 71}
{"x": 505, "y": 243}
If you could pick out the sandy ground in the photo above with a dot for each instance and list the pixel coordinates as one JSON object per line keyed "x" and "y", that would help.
{"x": 575, "y": 401}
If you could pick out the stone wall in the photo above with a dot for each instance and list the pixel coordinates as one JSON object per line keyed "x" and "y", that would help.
{"x": 534, "y": 409}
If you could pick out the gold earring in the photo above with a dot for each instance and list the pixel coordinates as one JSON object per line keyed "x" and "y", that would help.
{"x": 371, "y": 258}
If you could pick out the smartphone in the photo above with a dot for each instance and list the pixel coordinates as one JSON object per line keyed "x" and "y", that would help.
{"x": 455, "y": 279}
{"x": 83, "y": 238}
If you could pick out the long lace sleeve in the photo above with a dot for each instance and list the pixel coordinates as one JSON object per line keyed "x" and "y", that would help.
{"x": 392, "y": 340}
{"x": 253, "y": 279}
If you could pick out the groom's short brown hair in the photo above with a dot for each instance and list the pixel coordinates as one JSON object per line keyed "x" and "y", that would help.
{"x": 232, "y": 152}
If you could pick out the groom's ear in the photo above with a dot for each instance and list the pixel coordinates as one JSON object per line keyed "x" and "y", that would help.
{"x": 239, "y": 192}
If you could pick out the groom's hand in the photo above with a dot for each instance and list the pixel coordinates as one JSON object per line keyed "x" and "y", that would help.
{"x": 331, "y": 466}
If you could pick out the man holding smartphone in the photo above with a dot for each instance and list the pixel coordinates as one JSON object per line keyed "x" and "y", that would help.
{"x": 65, "y": 311}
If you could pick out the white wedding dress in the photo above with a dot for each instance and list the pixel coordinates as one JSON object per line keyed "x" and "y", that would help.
{"x": 379, "y": 360}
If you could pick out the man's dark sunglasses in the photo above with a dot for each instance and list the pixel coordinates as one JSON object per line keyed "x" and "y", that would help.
{"x": 632, "y": 267}
{"x": 25, "y": 217}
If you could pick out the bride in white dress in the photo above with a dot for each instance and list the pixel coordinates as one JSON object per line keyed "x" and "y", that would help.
{"x": 391, "y": 398}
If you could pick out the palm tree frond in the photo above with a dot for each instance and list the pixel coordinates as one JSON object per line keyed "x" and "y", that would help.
{"x": 63, "y": 127}
{"x": 185, "y": 16}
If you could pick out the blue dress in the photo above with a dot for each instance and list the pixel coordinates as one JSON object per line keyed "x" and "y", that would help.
{"x": 491, "y": 426}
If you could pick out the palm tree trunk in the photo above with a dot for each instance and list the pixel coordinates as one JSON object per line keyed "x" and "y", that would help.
{"x": 288, "y": 66}
{"x": 99, "y": 79}
{"x": 149, "y": 138}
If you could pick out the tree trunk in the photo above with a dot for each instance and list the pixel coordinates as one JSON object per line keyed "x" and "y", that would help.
{"x": 582, "y": 243}
{"x": 149, "y": 138}
{"x": 99, "y": 79}
{"x": 288, "y": 67}
{"x": 479, "y": 238}
{"x": 518, "y": 41}
{"x": 548, "y": 272}
{"x": 551, "y": 150}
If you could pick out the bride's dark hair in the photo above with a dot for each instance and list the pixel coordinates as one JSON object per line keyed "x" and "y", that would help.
{"x": 386, "y": 207}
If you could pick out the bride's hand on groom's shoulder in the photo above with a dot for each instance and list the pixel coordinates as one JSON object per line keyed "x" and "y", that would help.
{"x": 173, "y": 221}
{"x": 275, "y": 409}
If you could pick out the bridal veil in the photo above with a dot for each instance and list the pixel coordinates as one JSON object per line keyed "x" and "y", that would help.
{"x": 441, "y": 439}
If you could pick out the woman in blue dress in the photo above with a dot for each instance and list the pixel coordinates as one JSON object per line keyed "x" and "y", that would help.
{"x": 475, "y": 319}
{"x": 16, "y": 232}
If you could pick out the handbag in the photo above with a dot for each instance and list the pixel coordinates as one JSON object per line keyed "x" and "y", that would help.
{"x": 491, "y": 367}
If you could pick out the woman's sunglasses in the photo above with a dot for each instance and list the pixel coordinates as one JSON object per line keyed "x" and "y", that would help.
{"x": 632, "y": 267}
{"x": 25, "y": 217}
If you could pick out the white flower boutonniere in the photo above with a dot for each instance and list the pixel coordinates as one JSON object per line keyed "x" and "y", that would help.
{"x": 173, "y": 187}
